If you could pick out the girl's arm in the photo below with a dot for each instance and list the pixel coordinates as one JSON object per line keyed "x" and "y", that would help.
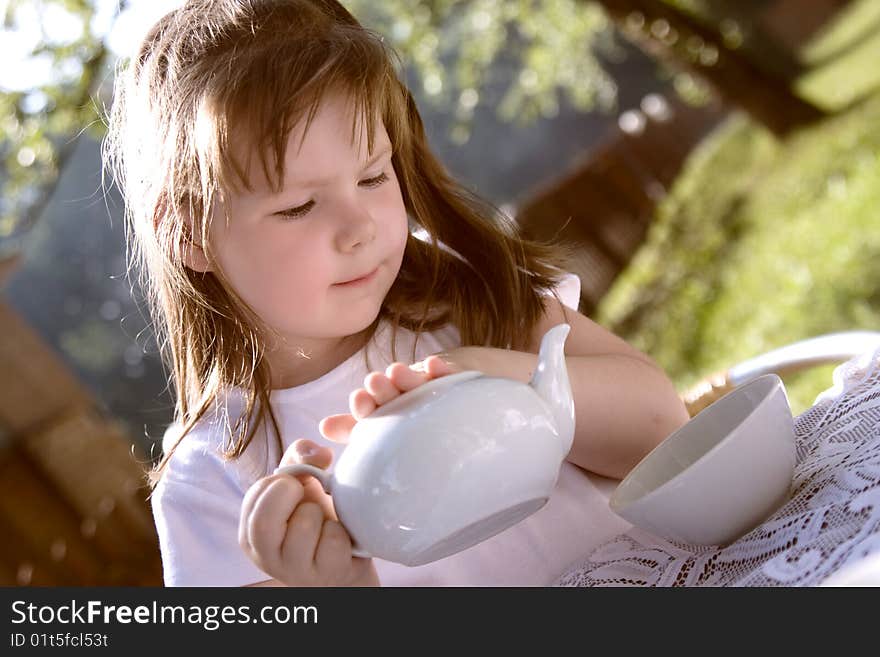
{"x": 624, "y": 403}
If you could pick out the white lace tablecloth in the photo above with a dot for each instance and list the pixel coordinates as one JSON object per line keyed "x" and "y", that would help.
{"x": 828, "y": 533}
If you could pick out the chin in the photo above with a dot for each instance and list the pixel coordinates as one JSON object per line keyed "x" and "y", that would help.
{"x": 354, "y": 323}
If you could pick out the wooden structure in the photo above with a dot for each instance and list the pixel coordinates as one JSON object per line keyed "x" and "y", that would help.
{"x": 604, "y": 205}
{"x": 791, "y": 26}
{"x": 74, "y": 504}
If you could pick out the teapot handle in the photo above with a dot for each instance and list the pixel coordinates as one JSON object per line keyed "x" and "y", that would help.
{"x": 326, "y": 480}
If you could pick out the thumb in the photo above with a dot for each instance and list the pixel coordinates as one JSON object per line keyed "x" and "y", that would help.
{"x": 308, "y": 452}
{"x": 337, "y": 427}
{"x": 311, "y": 453}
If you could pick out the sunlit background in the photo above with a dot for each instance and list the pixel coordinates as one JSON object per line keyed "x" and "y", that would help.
{"x": 715, "y": 164}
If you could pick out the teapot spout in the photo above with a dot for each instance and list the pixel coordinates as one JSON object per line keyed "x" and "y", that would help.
{"x": 551, "y": 383}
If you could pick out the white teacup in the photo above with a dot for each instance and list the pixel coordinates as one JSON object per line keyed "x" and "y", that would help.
{"x": 719, "y": 475}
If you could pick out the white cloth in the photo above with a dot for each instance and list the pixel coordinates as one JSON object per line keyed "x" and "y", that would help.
{"x": 826, "y": 534}
{"x": 197, "y": 502}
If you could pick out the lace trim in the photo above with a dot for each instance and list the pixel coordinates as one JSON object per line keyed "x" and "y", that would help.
{"x": 829, "y": 527}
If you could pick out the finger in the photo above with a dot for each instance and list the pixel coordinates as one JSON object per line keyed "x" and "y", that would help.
{"x": 437, "y": 366}
{"x": 300, "y": 541}
{"x": 334, "y": 548}
{"x": 405, "y": 378}
{"x": 381, "y": 388}
{"x": 268, "y": 523}
{"x": 361, "y": 403}
{"x": 337, "y": 427}
{"x": 311, "y": 453}
{"x": 314, "y": 492}
{"x": 247, "y": 506}
{"x": 308, "y": 452}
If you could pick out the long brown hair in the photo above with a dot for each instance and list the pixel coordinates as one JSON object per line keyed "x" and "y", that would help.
{"x": 251, "y": 70}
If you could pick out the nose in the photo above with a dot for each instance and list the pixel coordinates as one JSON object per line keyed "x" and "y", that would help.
{"x": 357, "y": 227}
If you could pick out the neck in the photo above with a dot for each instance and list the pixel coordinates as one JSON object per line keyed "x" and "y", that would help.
{"x": 294, "y": 363}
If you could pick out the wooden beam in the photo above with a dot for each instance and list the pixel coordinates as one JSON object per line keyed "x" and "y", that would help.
{"x": 35, "y": 384}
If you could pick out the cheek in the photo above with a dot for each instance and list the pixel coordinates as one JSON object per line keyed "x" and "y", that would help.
{"x": 394, "y": 214}
{"x": 272, "y": 270}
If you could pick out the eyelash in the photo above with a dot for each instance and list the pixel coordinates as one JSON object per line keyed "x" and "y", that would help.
{"x": 303, "y": 210}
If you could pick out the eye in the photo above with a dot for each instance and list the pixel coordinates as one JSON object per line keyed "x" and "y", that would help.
{"x": 375, "y": 182}
{"x": 302, "y": 210}
{"x": 297, "y": 212}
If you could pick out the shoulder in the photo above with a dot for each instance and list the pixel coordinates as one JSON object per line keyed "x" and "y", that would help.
{"x": 196, "y": 506}
{"x": 586, "y": 338}
{"x": 198, "y": 461}
{"x": 568, "y": 289}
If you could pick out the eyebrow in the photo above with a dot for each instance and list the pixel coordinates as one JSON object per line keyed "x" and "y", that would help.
{"x": 320, "y": 182}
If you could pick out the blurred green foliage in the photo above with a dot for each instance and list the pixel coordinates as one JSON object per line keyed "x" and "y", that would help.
{"x": 39, "y": 123}
{"x": 843, "y": 58}
{"x": 759, "y": 244}
{"x": 452, "y": 44}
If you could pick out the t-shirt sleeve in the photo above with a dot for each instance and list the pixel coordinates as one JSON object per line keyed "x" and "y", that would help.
{"x": 196, "y": 508}
{"x": 569, "y": 290}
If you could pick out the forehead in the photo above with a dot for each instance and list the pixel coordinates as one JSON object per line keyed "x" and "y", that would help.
{"x": 339, "y": 124}
{"x": 335, "y": 134}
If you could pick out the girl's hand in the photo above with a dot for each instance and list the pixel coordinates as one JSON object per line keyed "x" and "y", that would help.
{"x": 381, "y": 387}
{"x": 288, "y": 527}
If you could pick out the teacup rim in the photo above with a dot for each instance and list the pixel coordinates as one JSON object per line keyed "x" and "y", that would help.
{"x": 613, "y": 499}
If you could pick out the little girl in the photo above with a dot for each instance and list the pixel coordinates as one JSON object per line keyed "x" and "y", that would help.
{"x": 294, "y": 232}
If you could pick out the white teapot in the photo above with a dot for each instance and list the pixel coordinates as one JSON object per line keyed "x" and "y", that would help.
{"x": 454, "y": 461}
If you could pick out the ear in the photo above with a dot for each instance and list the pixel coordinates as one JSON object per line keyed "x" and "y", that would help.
{"x": 192, "y": 253}
{"x": 194, "y": 257}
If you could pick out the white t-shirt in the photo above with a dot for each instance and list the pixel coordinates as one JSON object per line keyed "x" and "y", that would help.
{"x": 197, "y": 502}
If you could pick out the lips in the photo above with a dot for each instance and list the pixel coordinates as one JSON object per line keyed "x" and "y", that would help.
{"x": 359, "y": 279}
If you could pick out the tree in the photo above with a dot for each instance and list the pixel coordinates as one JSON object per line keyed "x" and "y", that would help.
{"x": 672, "y": 34}
{"x": 449, "y": 48}
{"x": 38, "y": 124}
{"x": 560, "y": 47}
{"x": 556, "y": 45}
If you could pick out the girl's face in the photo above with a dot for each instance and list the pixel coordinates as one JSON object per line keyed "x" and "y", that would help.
{"x": 316, "y": 259}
